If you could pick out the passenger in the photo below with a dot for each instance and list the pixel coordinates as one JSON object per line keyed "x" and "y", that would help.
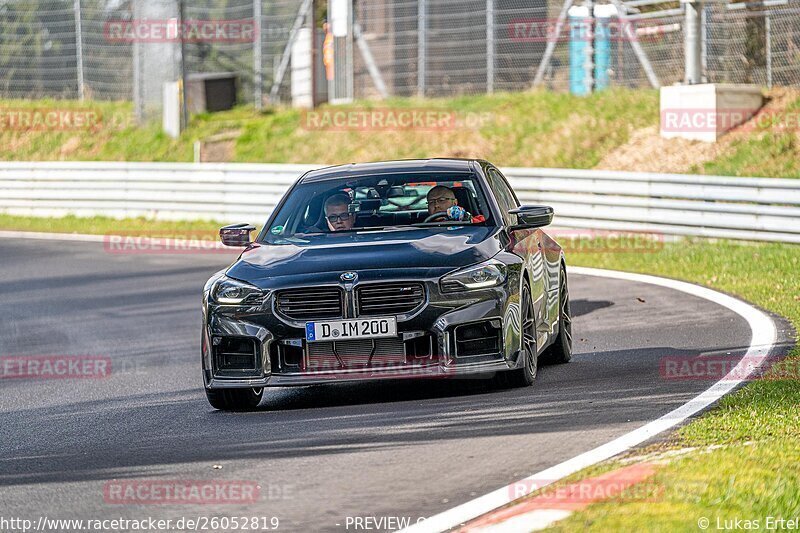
{"x": 337, "y": 213}
{"x": 442, "y": 199}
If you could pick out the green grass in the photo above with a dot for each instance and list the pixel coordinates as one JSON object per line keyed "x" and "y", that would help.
{"x": 117, "y": 138}
{"x": 766, "y": 154}
{"x": 772, "y": 150}
{"x": 754, "y": 473}
{"x": 105, "y": 225}
{"x": 521, "y": 129}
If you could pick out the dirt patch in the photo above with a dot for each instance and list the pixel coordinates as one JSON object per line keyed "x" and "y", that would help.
{"x": 647, "y": 151}
{"x": 16, "y": 142}
{"x": 219, "y": 148}
{"x": 69, "y": 147}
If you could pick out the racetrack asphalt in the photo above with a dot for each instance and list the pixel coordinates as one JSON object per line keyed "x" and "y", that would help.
{"x": 321, "y": 455}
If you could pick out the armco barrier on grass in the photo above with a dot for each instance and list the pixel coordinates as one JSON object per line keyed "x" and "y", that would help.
{"x": 761, "y": 209}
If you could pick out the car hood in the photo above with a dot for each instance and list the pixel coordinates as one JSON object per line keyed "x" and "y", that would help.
{"x": 428, "y": 251}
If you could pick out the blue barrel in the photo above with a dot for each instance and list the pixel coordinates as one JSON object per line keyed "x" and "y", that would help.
{"x": 602, "y": 52}
{"x": 578, "y": 44}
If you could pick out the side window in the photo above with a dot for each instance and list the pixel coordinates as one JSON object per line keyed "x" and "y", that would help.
{"x": 505, "y": 196}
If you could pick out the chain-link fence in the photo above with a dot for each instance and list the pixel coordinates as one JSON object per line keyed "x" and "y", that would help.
{"x": 751, "y": 43}
{"x": 97, "y": 49}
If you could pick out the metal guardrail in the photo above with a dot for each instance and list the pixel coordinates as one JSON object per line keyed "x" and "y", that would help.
{"x": 764, "y": 209}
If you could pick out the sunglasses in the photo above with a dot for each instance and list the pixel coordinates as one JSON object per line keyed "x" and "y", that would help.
{"x": 436, "y": 201}
{"x": 338, "y": 218}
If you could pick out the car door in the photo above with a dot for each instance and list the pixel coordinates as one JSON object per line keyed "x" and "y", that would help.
{"x": 528, "y": 245}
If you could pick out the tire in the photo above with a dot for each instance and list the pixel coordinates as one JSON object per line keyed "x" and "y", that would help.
{"x": 525, "y": 376}
{"x": 560, "y": 351}
{"x": 234, "y": 399}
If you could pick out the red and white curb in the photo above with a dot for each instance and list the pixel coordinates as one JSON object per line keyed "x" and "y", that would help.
{"x": 546, "y": 509}
{"x": 764, "y": 336}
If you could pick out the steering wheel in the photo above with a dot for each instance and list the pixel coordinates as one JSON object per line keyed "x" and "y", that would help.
{"x": 436, "y": 216}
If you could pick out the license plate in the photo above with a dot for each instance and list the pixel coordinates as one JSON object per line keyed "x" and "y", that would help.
{"x": 362, "y": 328}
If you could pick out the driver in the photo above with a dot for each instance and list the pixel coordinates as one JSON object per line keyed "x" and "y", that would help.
{"x": 337, "y": 213}
{"x": 442, "y": 199}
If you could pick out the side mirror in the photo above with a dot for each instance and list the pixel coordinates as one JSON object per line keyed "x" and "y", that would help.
{"x": 236, "y": 234}
{"x": 532, "y": 216}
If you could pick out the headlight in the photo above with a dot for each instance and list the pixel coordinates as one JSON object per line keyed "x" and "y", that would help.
{"x": 229, "y": 291}
{"x": 487, "y": 274}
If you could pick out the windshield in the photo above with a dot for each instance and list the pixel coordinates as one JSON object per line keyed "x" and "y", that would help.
{"x": 373, "y": 203}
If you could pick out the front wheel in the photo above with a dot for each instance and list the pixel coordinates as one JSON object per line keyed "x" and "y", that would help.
{"x": 524, "y": 377}
{"x": 561, "y": 350}
{"x": 234, "y": 399}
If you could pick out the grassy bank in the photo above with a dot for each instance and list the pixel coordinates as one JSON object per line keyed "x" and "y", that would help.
{"x": 771, "y": 149}
{"x": 521, "y": 129}
{"x": 537, "y": 128}
{"x": 746, "y": 449}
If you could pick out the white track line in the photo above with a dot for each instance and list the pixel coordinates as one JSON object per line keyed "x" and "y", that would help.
{"x": 121, "y": 243}
{"x": 41, "y": 236}
{"x": 761, "y": 343}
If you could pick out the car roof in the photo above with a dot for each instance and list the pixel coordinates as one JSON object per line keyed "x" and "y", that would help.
{"x": 390, "y": 167}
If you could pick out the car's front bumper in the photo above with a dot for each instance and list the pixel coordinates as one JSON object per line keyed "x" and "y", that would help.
{"x": 432, "y": 371}
{"x": 496, "y": 309}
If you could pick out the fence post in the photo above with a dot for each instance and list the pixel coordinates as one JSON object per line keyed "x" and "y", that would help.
{"x": 138, "y": 97}
{"x": 768, "y": 31}
{"x": 258, "y": 75}
{"x": 350, "y": 79}
{"x": 490, "y": 46}
{"x": 588, "y": 63}
{"x": 692, "y": 42}
{"x": 184, "y": 75}
{"x": 422, "y": 45}
{"x": 704, "y": 22}
{"x": 79, "y": 49}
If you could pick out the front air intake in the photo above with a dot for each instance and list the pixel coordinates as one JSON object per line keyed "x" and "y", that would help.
{"x": 387, "y": 299}
{"x": 311, "y": 303}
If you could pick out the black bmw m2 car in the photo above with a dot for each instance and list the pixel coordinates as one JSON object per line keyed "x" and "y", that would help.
{"x": 401, "y": 269}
